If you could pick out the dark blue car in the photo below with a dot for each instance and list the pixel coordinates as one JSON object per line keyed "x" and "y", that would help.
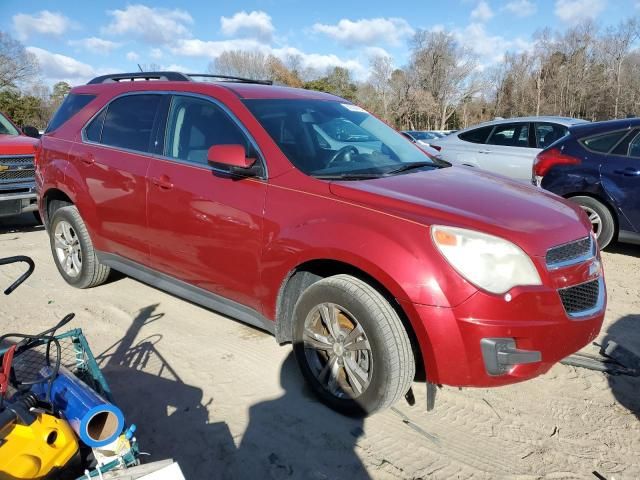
{"x": 597, "y": 165}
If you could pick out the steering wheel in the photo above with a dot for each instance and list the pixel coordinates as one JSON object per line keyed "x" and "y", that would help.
{"x": 342, "y": 154}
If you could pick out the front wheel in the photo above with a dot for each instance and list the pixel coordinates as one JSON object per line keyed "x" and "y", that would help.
{"x": 351, "y": 346}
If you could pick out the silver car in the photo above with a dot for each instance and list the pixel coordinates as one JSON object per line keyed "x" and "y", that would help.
{"x": 507, "y": 147}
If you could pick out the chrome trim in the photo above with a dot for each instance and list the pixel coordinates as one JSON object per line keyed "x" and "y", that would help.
{"x": 593, "y": 252}
{"x": 597, "y": 308}
{"x": 232, "y": 116}
{"x": 16, "y": 196}
{"x": 31, "y": 155}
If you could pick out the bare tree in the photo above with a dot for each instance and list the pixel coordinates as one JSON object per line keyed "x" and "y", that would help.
{"x": 616, "y": 45}
{"x": 16, "y": 64}
{"x": 379, "y": 79}
{"x": 444, "y": 69}
{"x": 241, "y": 63}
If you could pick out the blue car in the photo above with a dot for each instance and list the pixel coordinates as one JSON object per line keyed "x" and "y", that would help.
{"x": 597, "y": 165}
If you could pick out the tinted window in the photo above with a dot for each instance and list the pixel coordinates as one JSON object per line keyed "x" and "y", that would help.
{"x": 622, "y": 148}
{"x": 129, "y": 122}
{"x": 510, "y": 135}
{"x": 603, "y": 143}
{"x": 6, "y": 127}
{"x": 547, "y": 133}
{"x": 71, "y": 105}
{"x": 194, "y": 125}
{"x": 94, "y": 130}
{"x": 479, "y": 135}
{"x": 634, "y": 147}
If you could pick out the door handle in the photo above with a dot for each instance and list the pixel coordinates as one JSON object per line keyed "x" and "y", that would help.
{"x": 484, "y": 151}
{"x": 164, "y": 182}
{"x": 628, "y": 172}
{"x": 89, "y": 159}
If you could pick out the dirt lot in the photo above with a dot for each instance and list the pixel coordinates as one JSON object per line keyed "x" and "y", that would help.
{"x": 226, "y": 402}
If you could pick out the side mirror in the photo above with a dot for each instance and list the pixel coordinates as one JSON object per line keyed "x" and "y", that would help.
{"x": 30, "y": 131}
{"x": 233, "y": 156}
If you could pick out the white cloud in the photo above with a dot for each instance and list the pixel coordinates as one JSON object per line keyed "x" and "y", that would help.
{"x": 255, "y": 24}
{"x": 521, "y": 8}
{"x": 377, "y": 52}
{"x": 489, "y": 48}
{"x": 366, "y": 31}
{"x": 153, "y": 25}
{"x": 482, "y": 12}
{"x": 132, "y": 56}
{"x": 213, "y": 48}
{"x": 96, "y": 45}
{"x": 155, "y": 53}
{"x": 574, "y": 11}
{"x": 56, "y": 67}
{"x": 42, "y": 23}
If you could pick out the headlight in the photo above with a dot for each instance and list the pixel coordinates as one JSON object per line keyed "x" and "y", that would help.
{"x": 489, "y": 262}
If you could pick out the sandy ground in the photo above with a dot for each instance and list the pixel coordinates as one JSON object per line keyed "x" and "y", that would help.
{"x": 227, "y": 402}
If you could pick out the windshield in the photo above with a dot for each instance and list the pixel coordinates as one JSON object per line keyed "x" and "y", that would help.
{"x": 356, "y": 143}
{"x": 6, "y": 127}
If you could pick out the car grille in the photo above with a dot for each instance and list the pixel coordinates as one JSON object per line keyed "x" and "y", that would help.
{"x": 570, "y": 253}
{"x": 20, "y": 169}
{"x": 580, "y": 298}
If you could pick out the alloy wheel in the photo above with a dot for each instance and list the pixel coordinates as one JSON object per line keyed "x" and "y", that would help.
{"x": 594, "y": 218}
{"x": 67, "y": 247}
{"x": 337, "y": 350}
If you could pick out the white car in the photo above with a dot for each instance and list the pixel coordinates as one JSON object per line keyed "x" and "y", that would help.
{"x": 507, "y": 147}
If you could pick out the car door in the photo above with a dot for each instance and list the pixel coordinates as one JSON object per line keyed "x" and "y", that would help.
{"x": 205, "y": 224}
{"x": 112, "y": 161}
{"x": 510, "y": 151}
{"x": 464, "y": 148}
{"x": 620, "y": 175}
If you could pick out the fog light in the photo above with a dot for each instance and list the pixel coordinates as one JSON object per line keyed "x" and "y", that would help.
{"x": 501, "y": 354}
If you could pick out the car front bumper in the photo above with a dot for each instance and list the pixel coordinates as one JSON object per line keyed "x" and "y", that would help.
{"x": 17, "y": 203}
{"x": 488, "y": 341}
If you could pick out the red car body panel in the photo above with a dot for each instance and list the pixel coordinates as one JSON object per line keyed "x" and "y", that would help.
{"x": 242, "y": 239}
{"x": 17, "y": 144}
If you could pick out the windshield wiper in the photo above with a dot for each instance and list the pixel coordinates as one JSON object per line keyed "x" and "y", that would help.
{"x": 411, "y": 166}
{"x": 350, "y": 176}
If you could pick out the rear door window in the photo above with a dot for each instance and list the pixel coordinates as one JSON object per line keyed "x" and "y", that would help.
{"x": 603, "y": 143}
{"x": 129, "y": 122}
{"x": 548, "y": 133}
{"x": 477, "y": 135}
{"x": 71, "y": 105}
{"x": 510, "y": 135}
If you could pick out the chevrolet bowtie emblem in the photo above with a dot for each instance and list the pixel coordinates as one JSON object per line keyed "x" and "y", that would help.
{"x": 3, "y": 168}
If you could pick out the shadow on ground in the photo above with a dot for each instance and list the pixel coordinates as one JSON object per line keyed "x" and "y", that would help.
{"x": 630, "y": 249}
{"x": 626, "y": 332}
{"x": 292, "y": 436}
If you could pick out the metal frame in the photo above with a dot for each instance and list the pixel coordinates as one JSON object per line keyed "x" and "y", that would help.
{"x": 170, "y": 77}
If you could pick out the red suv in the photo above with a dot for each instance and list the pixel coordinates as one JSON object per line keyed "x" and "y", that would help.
{"x": 300, "y": 213}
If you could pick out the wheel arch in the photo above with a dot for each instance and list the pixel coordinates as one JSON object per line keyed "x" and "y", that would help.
{"x": 307, "y": 273}
{"x": 52, "y": 199}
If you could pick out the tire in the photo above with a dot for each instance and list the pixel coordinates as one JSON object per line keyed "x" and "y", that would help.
{"x": 384, "y": 370}
{"x": 605, "y": 228}
{"x": 69, "y": 238}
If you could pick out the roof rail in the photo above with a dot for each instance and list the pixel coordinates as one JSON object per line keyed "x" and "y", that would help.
{"x": 119, "y": 77}
{"x": 230, "y": 78}
{"x": 172, "y": 77}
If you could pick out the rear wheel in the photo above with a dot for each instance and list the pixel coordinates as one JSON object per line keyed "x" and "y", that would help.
{"x": 602, "y": 222}
{"x": 73, "y": 250}
{"x": 351, "y": 346}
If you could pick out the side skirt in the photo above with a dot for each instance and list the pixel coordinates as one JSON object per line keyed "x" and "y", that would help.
{"x": 186, "y": 291}
{"x": 629, "y": 237}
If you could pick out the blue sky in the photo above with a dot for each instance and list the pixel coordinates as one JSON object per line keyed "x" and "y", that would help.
{"x": 76, "y": 40}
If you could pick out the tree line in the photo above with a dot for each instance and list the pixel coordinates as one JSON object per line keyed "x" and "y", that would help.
{"x": 583, "y": 71}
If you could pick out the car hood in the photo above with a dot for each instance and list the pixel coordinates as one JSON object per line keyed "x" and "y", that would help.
{"x": 458, "y": 196}
{"x": 17, "y": 144}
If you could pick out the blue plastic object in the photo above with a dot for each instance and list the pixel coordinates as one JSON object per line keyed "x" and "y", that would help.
{"x": 96, "y": 421}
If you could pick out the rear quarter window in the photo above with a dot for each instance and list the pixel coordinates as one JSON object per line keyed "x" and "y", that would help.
{"x": 71, "y": 105}
{"x": 477, "y": 135}
{"x": 603, "y": 143}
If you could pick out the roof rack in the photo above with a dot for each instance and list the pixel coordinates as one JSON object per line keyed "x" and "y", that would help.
{"x": 119, "y": 77}
{"x": 171, "y": 77}
{"x": 229, "y": 78}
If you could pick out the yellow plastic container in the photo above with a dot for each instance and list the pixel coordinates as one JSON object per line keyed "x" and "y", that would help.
{"x": 33, "y": 451}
